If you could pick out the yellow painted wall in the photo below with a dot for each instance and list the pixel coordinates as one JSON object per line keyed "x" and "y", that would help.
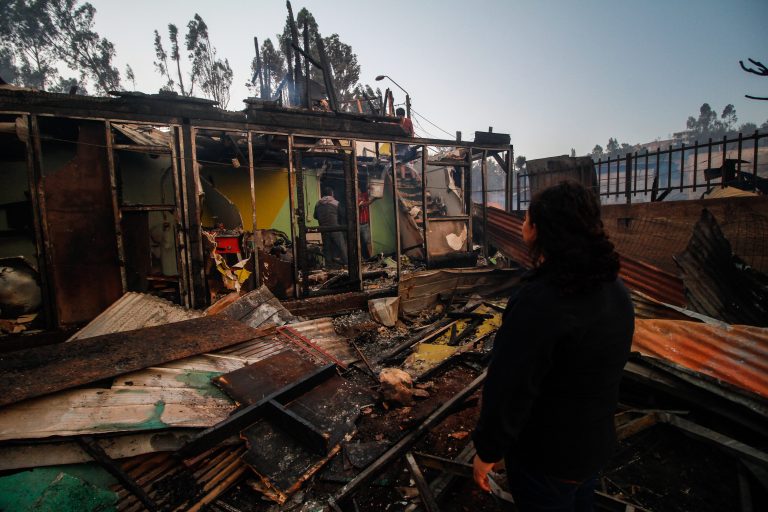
{"x": 271, "y": 185}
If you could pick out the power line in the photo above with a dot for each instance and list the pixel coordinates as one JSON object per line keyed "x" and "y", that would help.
{"x": 433, "y": 124}
{"x": 421, "y": 128}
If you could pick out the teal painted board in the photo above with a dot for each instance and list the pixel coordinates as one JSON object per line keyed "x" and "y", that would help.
{"x": 80, "y": 488}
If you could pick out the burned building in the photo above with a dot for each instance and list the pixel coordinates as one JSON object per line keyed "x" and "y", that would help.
{"x": 154, "y": 193}
{"x": 137, "y": 212}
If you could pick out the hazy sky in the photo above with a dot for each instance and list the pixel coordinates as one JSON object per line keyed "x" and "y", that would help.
{"x": 555, "y": 75}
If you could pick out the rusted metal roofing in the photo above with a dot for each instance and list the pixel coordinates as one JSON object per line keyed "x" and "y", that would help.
{"x": 655, "y": 232}
{"x": 504, "y": 230}
{"x": 736, "y": 354}
{"x": 318, "y": 337}
{"x": 135, "y": 311}
{"x": 179, "y": 485}
{"x": 648, "y": 307}
{"x": 652, "y": 281}
{"x": 718, "y": 283}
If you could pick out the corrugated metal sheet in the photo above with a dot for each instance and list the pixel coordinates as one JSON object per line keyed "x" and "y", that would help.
{"x": 135, "y": 311}
{"x": 321, "y": 328}
{"x": 504, "y": 230}
{"x": 718, "y": 284}
{"x": 420, "y": 291}
{"x": 322, "y": 340}
{"x": 647, "y": 307}
{"x": 655, "y": 232}
{"x": 652, "y": 281}
{"x": 736, "y": 354}
{"x": 144, "y": 135}
{"x": 255, "y": 309}
{"x": 256, "y": 350}
{"x": 174, "y": 485}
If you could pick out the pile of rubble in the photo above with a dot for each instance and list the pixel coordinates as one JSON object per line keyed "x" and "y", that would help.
{"x": 248, "y": 406}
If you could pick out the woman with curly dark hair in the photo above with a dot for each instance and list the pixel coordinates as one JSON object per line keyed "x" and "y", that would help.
{"x": 553, "y": 381}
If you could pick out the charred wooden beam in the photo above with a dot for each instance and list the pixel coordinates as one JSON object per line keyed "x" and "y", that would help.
{"x": 326, "y": 305}
{"x": 343, "y": 494}
{"x": 729, "y": 444}
{"x": 425, "y": 493}
{"x": 38, "y": 371}
{"x": 327, "y": 75}
{"x": 302, "y": 430}
{"x": 306, "y": 55}
{"x": 636, "y": 426}
{"x": 454, "y": 467}
{"x": 250, "y": 414}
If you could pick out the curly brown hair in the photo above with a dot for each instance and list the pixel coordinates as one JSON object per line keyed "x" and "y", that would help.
{"x": 570, "y": 240}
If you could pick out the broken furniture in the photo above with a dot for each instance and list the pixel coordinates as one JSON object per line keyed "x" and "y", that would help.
{"x": 295, "y": 415}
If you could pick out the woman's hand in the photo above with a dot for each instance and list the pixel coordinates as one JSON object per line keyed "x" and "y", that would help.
{"x": 480, "y": 473}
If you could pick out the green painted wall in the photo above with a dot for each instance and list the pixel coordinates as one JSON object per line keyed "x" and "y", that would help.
{"x": 383, "y": 232}
{"x": 13, "y": 176}
{"x": 141, "y": 176}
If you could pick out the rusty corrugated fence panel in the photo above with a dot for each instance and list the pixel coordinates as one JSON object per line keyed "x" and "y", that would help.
{"x": 652, "y": 281}
{"x": 736, "y": 354}
{"x": 718, "y": 284}
{"x": 505, "y": 233}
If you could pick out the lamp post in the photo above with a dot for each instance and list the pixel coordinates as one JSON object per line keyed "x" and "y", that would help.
{"x": 407, "y": 96}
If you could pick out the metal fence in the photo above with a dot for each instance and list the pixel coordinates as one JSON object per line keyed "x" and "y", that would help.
{"x": 678, "y": 172}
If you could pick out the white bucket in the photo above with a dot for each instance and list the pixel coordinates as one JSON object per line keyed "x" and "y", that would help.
{"x": 375, "y": 188}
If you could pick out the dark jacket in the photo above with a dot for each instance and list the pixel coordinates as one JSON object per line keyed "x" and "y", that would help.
{"x": 327, "y": 211}
{"x": 553, "y": 381}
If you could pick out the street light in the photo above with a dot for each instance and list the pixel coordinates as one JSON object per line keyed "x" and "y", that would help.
{"x": 407, "y": 96}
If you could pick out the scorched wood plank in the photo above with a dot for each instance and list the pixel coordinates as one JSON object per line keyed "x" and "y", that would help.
{"x": 35, "y": 372}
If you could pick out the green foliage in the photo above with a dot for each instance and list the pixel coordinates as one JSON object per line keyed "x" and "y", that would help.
{"x": 272, "y": 68}
{"x": 612, "y": 148}
{"x": 708, "y": 125}
{"x": 65, "y": 85}
{"x": 215, "y": 75}
{"x": 729, "y": 116}
{"x": 520, "y": 163}
{"x": 162, "y": 66}
{"x": 78, "y": 45}
{"x": 130, "y": 76}
{"x": 212, "y": 74}
{"x": 24, "y": 34}
{"x": 8, "y": 70}
{"x": 40, "y": 34}
{"x": 344, "y": 65}
{"x": 369, "y": 98}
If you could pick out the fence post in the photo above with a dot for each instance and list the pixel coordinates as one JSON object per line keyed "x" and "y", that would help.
{"x": 754, "y": 160}
{"x": 628, "y": 178}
